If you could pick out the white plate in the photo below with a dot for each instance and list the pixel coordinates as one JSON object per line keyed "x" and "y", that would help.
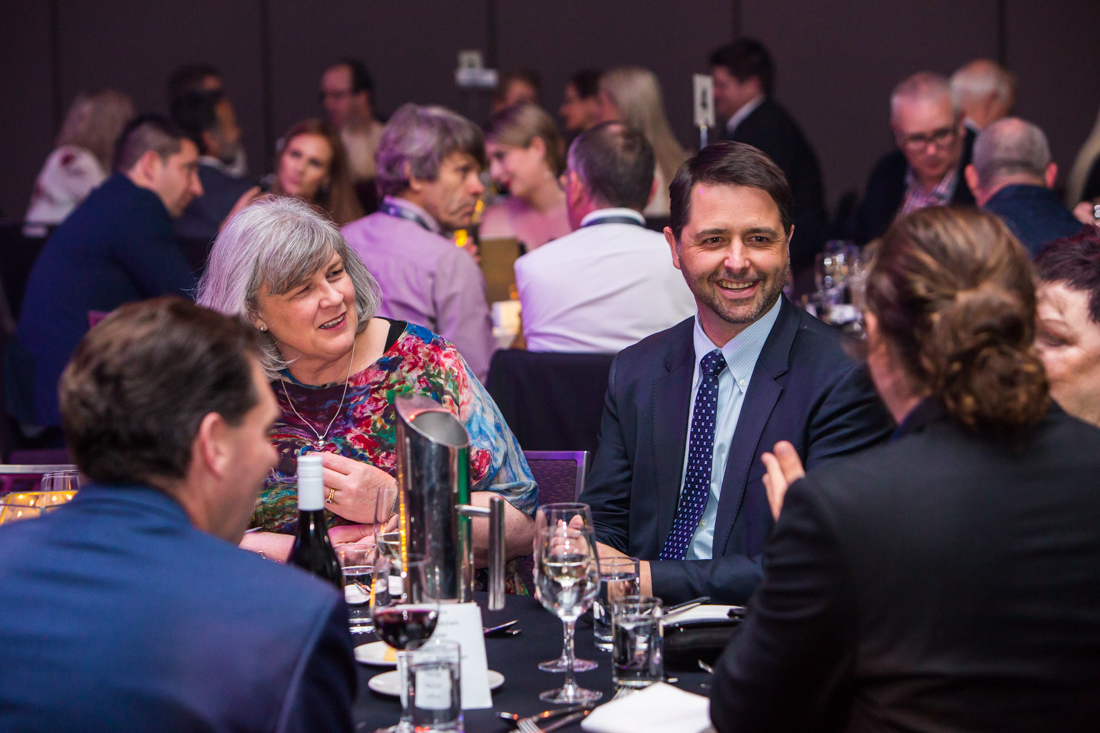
{"x": 389, "y": 683}
{"x": 374, "y": 654}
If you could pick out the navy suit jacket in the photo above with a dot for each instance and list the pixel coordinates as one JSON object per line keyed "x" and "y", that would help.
{"x": 117, "y": 614}
{"x": 115, "y": 248}
{"x": 1035, "y": 214}
{"x": 804, "y": 389}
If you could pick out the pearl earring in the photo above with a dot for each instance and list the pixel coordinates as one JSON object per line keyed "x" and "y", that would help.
{"x": 263, "y": 328}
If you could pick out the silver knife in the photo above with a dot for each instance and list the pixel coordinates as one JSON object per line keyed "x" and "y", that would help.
{"x": 547, "y": 714}
{"x": 565, "y": 721}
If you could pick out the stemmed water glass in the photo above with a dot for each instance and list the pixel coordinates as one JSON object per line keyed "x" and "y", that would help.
{"x": 405, "y": 608}
{"x": 567, "y": 579}
{"x": 551, "y": 515}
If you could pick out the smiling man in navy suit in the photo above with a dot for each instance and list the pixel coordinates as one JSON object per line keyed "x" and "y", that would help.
{"x": 677, "y": 478}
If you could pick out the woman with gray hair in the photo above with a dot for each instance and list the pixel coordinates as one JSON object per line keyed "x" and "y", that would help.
{"x": 336, "y": 369}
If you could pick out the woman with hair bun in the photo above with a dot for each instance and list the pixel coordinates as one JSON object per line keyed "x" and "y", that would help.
{"x": 949, "y": 579}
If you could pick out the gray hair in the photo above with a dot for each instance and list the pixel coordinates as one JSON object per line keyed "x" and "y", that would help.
{"x": 983, "y": 78}
{"x": 278, "y": 242}
{"x": 923, "y": 85}
{"x": 417, "y": 140}
{"x": 1010, "y": 146}
{"x": 615, "y": 163}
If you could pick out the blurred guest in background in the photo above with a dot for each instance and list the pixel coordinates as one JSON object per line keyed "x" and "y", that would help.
{"x": 209, "y": 121}
{"x": 516, "y": 86}
{"x": 1068, "y": 338}
{"x": 926, "y": 170}
{"x": 610, "y": 283}
{"x": 1083, "y": 185}
{"x": 744, "y": 76}
{"x": 205, "y": 78}
{"x": 632, "y": 95}
{"x": 167, "y": 412}
{"x": 949, "y": 580}
{"x": 580, "y": 107}
{"x": 337, "y": 368}
{"x": 985, "y": 92}
{"x": 81, "y": 158}
{"x": 347, "y": 93}
{"x": 1012, "y": 176}
{"x": 115, "y": 248}
{"x": 676, "y": 481}
{"x": 312, "y": 166}
{"x": 429, "y": 163}
{"x": 526, "y": 157}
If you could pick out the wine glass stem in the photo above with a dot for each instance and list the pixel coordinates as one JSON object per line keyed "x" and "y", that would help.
{"x": 570, "y": 656}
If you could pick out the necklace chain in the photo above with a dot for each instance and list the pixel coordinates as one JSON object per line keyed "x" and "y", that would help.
{"x": 322, "y": 436}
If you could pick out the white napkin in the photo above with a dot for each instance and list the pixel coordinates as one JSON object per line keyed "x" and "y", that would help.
{"x": 658, "y": 708}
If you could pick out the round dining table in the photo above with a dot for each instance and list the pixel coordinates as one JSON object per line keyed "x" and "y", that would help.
{"x": 517, "y": 658}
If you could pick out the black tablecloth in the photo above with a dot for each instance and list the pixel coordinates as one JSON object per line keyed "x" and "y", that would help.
{"x": 517, "y": 658}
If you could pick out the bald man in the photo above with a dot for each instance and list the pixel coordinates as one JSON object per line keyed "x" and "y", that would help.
{"x": 985, "y": 92}
{"x": 1012, "y": 176}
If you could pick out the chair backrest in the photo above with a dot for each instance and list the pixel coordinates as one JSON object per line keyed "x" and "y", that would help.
{"x": 551, "y": 401}
{"x": 560, "y": 476}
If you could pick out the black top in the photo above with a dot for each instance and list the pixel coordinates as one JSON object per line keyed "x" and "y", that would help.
{"x": 1092, "y": 183}
{"x": 944, "y": 581}
{"x": 396, "y": 329}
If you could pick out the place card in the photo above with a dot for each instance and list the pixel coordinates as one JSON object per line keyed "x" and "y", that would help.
{"x": 461, "y": 623}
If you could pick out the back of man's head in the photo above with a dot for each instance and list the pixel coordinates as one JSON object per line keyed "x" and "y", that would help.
{"x": 196, "y": 113}
{"x": 728, "y": 164}
{"x": 746, "y": 58}
{"x": 416, "y": 141}
{"x": 193, "y": 78}
{"x": 140, "y": 383}
{"x": 923, "y": 86}
{"x": 614, "y": 163}
{"x": 1011, "y": 148}
{"x": 144, "y": 133}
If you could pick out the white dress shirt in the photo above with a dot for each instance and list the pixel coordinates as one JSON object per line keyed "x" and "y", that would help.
{"x": 741, "y": 353}
{"x": 601, "y": 288}
{"x": 739, "y": 116}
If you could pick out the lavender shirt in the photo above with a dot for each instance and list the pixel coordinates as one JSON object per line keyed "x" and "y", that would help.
{"x": 426, "y": 280}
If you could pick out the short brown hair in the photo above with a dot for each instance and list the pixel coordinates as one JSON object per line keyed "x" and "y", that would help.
{"x": 339, "y": 201}
{"x": 141, "y": 382}
{"x": 953, "y": 293}
{"x": 728, "y": 164}
{"x": 517, "y": 126}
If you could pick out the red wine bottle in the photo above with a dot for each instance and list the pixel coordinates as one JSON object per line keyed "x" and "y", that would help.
{"x": 312, "y": 549}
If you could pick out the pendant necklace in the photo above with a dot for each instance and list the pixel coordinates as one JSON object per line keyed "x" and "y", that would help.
{"x": 320, "y": 442}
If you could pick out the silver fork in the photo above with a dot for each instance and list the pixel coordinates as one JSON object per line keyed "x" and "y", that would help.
{"x": 527, "y": 725}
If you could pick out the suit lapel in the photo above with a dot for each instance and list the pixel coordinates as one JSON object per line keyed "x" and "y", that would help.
{"x": 671, "y": 399}
{"x": 760, "y": 400}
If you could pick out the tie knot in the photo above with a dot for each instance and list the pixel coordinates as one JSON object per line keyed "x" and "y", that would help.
{"x": 713, "y": 363}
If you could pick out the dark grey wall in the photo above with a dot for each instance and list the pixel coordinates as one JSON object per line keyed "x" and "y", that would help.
{"x": 837, "y": 59}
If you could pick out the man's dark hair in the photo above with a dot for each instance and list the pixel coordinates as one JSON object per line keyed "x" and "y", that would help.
{"x": 141, "y": 382}
{"x": 188, "y": 79}
{"x": 196, "y": 113}
{"x": 1074, "y": 261}
{"x": 746, "y": 58}
{"x": 615, "y": 164}
{"x": 144, "y": 133}
{"x": 361, "y": 80}
{"x": 586, "y": 82}
{"x": 728, "y": 164}
{"x": 528, "y": 76}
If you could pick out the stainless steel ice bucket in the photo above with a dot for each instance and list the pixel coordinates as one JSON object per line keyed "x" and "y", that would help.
{"x": 434, "y": 510}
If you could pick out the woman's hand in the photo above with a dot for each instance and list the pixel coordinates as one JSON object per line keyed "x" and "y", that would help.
{"x": 784, "y": 468}
{"x": 342, "y": 534}
{"x": 351, "y": 487}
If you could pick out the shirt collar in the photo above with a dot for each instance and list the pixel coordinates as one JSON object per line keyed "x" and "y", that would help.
{"x": 211, "y": 162}
{"x": 614, "y": 211}
{"x": 742, "y": 351}
{"x": 746, "y": 109}
{"x": 401, "y": 203}
{"x": 942, "y": 191}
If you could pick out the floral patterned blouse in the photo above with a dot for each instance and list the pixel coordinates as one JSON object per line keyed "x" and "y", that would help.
{"x": 418, "y": 362}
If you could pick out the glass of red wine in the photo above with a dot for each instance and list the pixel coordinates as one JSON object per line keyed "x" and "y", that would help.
{"x": 405, "y": 608}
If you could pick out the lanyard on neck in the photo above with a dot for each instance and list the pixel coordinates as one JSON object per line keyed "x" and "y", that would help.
{"x": 614, "y": 220}
{"x": 402, "y": 213}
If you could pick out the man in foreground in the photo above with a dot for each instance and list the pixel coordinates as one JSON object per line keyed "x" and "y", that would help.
{"x": 131, "y": 608}
{"x": 685, "y": 495}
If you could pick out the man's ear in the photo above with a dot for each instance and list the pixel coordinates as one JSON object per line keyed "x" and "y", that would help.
{"x": 211, "y": 445}
{"x": 1051, "y": 174}
{"x": 674, "y": 246}
{"x": 971, "y": 174}
{"x": 149, "y": 166}
{"x": 415, "y": 184}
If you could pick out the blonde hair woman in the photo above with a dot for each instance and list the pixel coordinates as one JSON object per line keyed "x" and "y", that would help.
{"x": 526, "y": 156}
{"x": 632, "y": 95}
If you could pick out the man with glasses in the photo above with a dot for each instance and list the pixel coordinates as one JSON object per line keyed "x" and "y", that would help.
{"x": 926, "y": 170}
{"x": 347, "y": 94}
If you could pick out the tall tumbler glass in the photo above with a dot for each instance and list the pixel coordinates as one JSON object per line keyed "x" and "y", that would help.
{"x": 618, "y": 578}
{"x": 550, "y": 515}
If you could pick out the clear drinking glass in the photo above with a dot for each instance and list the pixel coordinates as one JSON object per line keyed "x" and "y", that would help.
{"x": 567, "y": 578}
{"x": 434, "y": 685}
{"x": 550, "y": 515}
{"x": 58, "y": 487}
{"x": 637, "y": 659}
{"x": 357, "y": 564}
{"x": 404, "y": 606}
{"x": 618, "y": 578}
{"x": 386, "y": 535}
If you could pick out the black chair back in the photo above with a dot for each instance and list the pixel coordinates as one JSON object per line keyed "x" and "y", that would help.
{"x": 17, "y": 255}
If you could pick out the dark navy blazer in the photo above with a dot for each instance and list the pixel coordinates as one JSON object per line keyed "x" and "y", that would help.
{"x": 115, "y": 248}
{"x": 1035, "y": 214}
{"x": 117, "y": 614}
{"x": 204, "y": 216}
{"x": 804, "y": 389}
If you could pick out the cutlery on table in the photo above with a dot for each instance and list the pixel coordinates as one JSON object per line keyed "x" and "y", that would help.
{"x": 543, "y": 715}
{"x": 502, "y": 627}
{"x": 705, "y": 667}
{"x": 686, "y": 605}
{"x": 527, "y": 726}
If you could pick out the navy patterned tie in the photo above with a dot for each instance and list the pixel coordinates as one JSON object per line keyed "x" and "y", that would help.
{"x": 696, "y": 491}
